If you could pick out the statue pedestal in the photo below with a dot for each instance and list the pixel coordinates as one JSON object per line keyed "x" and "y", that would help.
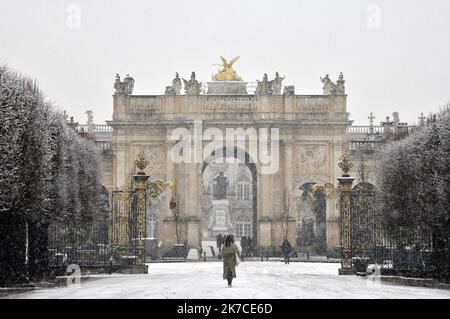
{"x": 221, "y": 216}
{"x": 227, "y": 87}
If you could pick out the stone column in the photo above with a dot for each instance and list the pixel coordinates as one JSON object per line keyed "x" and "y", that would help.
{"x": 170, "y": 99}
{"x": 288, "y": 165}
{"x": 264, "y": 216}
{"x": 119, "y": 105}
{"x": 340, "y": 103}
{"x": 192, "y": 103}
{"x": 192, "y": 201}
{"x": 289, "y": 104}
{"x": 264, "y": 104}
{"x": 120, "y": 166}
{"x": 288, "y": 170}
{"x": 168, "y": 230}
{"x": 332, "y": 214}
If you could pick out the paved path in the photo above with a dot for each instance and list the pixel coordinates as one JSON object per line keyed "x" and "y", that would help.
{"x": 255, "y": 280}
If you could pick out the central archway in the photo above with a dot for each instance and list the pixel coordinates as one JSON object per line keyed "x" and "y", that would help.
{"x": 244, "y": 189}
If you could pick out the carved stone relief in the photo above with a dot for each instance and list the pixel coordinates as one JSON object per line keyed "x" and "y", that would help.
{"x": 312, "y": 157}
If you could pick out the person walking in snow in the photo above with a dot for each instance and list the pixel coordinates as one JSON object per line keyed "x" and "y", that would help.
{"x": 287, "y": 250}
{"x": 244, "y": 245}
{"x": 250, "y": 246}
{"x": 230, "y": 258}
{"x": 219, "y": 242}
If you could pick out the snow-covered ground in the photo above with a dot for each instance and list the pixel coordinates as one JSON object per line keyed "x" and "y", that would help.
{"x": 255, "y": 280}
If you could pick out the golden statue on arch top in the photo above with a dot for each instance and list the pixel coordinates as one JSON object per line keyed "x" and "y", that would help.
{"x": 227, "y": 73}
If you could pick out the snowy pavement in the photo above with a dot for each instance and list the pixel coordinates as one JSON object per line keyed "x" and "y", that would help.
{"x": 254, "y": 280}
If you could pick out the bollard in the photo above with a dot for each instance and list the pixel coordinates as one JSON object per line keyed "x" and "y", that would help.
{"x": 204, "y": 256}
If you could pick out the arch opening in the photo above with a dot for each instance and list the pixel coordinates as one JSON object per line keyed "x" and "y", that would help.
{"x": 228, "y": 199}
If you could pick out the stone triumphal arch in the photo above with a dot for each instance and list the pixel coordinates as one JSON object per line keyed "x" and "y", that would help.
{"x": 312, "y": 136}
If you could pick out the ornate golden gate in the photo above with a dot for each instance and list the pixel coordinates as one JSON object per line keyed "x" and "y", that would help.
{"x": 126, "y": 229}
{"x": 360, "y": 223}
{"x": 128, "y": 216}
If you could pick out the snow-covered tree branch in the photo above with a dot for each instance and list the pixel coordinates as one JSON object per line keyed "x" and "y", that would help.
{"x": 48, "y": 173}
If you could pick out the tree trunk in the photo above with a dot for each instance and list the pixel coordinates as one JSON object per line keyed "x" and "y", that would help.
{"x": 12, "y": 249}
{"x": 38, "y": 250}
{"x": 441, "y": 251}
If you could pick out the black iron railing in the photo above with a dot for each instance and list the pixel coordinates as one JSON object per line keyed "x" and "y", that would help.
{"x": 84, "y": 244}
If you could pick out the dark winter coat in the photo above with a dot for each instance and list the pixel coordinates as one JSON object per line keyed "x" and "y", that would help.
{"x": 286, "y": 248}
{"x": 229, "y": 259}
{"x": 219, "y": 241}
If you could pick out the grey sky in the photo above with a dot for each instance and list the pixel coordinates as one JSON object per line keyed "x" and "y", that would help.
{"x": 401, "y": 66}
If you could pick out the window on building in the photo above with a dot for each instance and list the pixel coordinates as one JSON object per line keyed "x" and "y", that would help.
{"x": 152, "y": 226}
{"x": 243, "y": 191}
{"x": 153, "y": 219}
{"x": 244, "y": 226}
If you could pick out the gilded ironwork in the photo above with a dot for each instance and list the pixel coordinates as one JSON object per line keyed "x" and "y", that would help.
{"x": 124, "y": 216}
{"x": 345, "y": 188}
{"x": 121, "y": 232}
{"x": 346, "y": 261}
{"x": 362, "y": 223}
{"x": 156, "y": 188}
{"x": 345, "y": 165}
{"x": 330, "y": 191}
{"x": 128, "y": 215}
{"x": 125, "y": 196}
{"x": 316, "y": 188}
{"x": 141, "y": 162}
{"x": 171, "y": 185}
{"x": 363, "y": 220}
{"x": 314, "y": 191}
{"x": 362, "y": 201}
{"x": 357, "y": 221}
{"x": 141, "y": 185}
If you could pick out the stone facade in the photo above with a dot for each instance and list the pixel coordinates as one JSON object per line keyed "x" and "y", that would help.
{"x": 310, "y": 158}
{"x": 313, "y": 136}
